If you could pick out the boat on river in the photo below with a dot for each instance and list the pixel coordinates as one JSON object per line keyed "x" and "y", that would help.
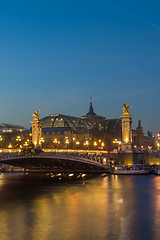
{"x": 157, "y": 171}
{"x": 130, "y": 170}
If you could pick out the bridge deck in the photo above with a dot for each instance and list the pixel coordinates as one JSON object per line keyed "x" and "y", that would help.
{"x": 54, "y": 162}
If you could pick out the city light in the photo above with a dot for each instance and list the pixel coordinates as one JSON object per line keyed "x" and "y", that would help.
{"x": 10, "y": 146}
{"x": 67, "y": 141}
{"x": 126, "y": 140}
{"x": 71, "y": 174}
{"x": 86, "y": 143}
{"x": 115, "y": 140}
{"x": 104, "y": 161}
{"x": 42, "y": 140}
{"x": 83, "y": 175}
{"x": 25, "y": 144}
{"x": 95, "y": 143}
{"x": 18, "y": 139}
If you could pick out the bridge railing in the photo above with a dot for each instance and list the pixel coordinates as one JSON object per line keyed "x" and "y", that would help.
{"x": 87, "y": 157}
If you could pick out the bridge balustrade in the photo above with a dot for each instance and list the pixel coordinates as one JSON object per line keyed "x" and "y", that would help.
{"x": 73, "y": 156}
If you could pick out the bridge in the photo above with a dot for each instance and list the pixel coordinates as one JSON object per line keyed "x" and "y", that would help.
{"x": 58, "y": 162}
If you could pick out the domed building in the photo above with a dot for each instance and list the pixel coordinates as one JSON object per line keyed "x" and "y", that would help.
{"x": 93, "y": 118}
{"x": 60, "y": 131}
{"x": 64, "y": 122}
{"x": 88, "y": 131}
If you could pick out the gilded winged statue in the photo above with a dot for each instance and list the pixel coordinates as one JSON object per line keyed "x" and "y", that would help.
{"x": 36, "y": 114}
{"x": 126, "y": 108}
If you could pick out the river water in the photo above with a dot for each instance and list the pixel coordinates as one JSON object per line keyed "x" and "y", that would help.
{"x": 111, "y": 207}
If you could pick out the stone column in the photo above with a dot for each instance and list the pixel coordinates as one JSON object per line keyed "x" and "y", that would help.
{"x": 36, "y": 130}
{"x": 126, "y": 128}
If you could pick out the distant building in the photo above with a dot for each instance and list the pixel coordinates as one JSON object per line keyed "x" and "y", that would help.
{"x": 91, "y": 131}
{"x": 9, "y": 133}
{"x": 93, "y": 119}
{"x": 141, "y": 142}
{"x": 63, "y": 131}
{"x": 4, "y": 127}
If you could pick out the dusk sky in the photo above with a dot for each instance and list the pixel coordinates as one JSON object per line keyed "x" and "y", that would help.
{"x": 55, "y": 55}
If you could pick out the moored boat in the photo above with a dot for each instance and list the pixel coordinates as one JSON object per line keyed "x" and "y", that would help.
{"x": 132, "y": 170}
{"x": 157, "y": 171}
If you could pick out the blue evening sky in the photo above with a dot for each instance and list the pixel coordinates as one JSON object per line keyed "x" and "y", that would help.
{"x": 55, "y": 55}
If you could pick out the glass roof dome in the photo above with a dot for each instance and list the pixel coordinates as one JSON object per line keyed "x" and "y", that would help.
{"x": 65, "y": 121}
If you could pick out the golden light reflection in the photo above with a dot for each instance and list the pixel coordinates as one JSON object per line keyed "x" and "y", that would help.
{"x": 63, "y": 213}
{"x": 1, "y": 180}
{"x": 13, "y": 218}
{"x": 72, "y": 211}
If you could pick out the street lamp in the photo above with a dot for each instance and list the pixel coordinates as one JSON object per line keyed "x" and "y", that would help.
{"x": 42, "y": 140}
{"x": 86, "y": 143}
{"x": 115, "y": 140}
{"x": 67, "y": 141}
{"x": 25, "y": 144}
{"x": 10, "y": 146}
{"x": 77, "y": 143}
{"x": 102, "y": 144}
{"x": 55, "y": 140}
{"x": 18, "y": 139}
{"x": 95, "y": 143}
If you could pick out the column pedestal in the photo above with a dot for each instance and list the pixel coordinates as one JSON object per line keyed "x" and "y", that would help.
{"x": 36, "y": 132}
{"x": 126, "y": 132}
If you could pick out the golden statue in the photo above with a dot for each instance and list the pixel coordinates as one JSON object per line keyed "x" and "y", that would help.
{"x": 126, "y": 108}
{"x": 36, "y": 114}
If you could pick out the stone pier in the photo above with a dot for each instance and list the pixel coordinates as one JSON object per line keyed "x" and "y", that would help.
{"x": 126, "y": 129}
{"x": 36, "y": 130}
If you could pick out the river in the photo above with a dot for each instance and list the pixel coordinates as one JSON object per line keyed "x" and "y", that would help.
{"x": 110, "y": 207}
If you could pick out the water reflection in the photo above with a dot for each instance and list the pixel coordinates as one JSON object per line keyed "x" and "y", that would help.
{"x": 112, "y": 207}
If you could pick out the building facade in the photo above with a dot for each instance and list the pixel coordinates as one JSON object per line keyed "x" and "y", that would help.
{"x": 91, "y": 131}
